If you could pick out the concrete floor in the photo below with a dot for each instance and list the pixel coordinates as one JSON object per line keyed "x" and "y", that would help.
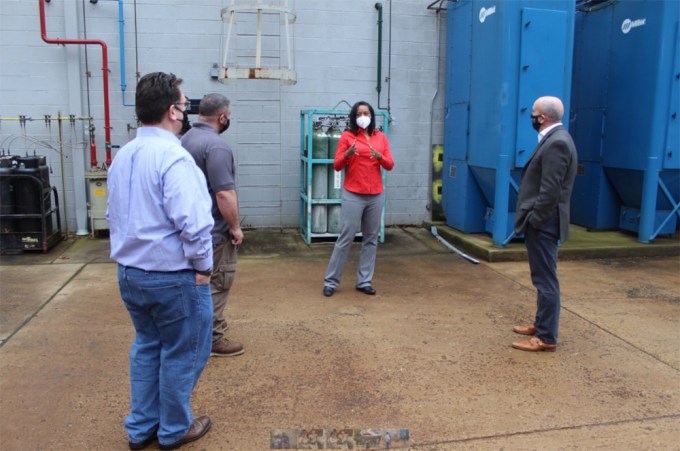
{"x": 431, "y": 352}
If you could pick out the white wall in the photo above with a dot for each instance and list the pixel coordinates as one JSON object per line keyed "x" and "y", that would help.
{"x": 335, "y": 56}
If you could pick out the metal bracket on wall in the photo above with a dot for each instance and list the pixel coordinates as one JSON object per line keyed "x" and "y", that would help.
{"x": 285, "y": 73}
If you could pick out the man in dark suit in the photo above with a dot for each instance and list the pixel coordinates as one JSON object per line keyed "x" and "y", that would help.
{"x": 543, "y": 218}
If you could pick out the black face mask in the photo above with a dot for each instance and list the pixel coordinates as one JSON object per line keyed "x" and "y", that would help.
{"x": 534, "y": 122}
{"x": 186, "y": 125}
{"x": 224, "y": 127}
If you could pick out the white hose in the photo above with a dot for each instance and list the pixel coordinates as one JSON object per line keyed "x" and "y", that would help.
{"x": 433, "y": 229}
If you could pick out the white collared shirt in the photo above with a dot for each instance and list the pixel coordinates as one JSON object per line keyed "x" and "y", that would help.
{"x": 158, "y": 205}
{"x": 545, "y": 131}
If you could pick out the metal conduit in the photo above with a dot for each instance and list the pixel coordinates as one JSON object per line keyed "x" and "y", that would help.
{"x": 105, "y": 72}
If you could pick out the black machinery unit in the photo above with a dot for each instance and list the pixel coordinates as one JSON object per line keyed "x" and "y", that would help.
{"x": 26, "y": 211}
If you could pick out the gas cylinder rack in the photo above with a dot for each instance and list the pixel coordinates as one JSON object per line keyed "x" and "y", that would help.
{"x": 320, "y": 184}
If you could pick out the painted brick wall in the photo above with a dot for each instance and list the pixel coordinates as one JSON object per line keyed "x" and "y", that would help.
{"x": 334, "y": 44}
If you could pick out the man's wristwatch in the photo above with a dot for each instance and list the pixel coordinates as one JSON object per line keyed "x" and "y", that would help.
{"x": 207, "y": 273}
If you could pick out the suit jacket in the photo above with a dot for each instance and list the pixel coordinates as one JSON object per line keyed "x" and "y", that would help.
{"x": 547, "y": 182}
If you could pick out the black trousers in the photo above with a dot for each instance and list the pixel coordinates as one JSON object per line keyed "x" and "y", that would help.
{"x": 542, "y": 252}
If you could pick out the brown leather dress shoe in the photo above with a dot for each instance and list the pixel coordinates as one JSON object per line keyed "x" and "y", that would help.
{"x": 198, "y": 429}
{"x": 534, "y": 344}
{"x": 226, "y": 348}
{"x": 525, "y": 330}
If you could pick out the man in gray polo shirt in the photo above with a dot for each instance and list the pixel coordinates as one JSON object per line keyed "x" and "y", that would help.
{"x": 215, "y": 158}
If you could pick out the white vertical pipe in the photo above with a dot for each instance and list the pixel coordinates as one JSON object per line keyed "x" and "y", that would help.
{"x": 258, "y": 50}
{"x": 75, "y": 105}
{"x": 285, "y": 17}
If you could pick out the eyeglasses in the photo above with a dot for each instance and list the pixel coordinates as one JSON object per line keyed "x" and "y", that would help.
{"x": 187, "y": 105}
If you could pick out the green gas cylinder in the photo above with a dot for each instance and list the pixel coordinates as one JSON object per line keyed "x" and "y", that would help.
{"x": 334, "y": 132}
{"x": 319, "y": 142}
{"x": 334, "y": 177}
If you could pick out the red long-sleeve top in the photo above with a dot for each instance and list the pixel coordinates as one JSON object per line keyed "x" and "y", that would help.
{"x": 363, "y": 174}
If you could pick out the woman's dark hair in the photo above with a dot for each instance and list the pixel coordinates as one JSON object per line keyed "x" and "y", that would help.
{"x": 353, "y": 127}
{"x": 155, "y": 93}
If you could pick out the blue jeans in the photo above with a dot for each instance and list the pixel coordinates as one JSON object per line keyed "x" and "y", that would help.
{"x": 172, "y": 317}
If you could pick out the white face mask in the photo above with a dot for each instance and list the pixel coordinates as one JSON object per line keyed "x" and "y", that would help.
{"x": 363, "y": 121}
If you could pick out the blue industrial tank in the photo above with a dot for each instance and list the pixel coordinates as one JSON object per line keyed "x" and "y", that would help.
{"x": 501, "y": 56}
{"x": 625, "y": 106}
{"x": 594, "y": 202}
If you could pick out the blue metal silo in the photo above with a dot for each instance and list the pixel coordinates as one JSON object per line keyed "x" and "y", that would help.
{"x": 594, "y": 202}
{"x": 501, "y": 56}
{"x": 625, "y": 106}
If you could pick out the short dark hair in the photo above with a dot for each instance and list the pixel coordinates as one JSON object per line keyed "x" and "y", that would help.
{"x": 155, "y": 93}
{"x": 212, "y": 104}
{"x": 354, "y": 128}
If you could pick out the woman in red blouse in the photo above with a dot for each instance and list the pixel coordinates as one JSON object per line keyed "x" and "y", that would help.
{"x": 362, "y": 152}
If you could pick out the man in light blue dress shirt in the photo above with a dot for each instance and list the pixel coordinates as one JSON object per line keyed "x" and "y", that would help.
{"x": 159, "y": 214}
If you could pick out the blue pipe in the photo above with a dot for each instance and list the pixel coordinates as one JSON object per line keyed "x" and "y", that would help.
{"x": 514, "y": 186}
{"x": 654, "y": 167}
{"x": 648, "y": 205}
{"x": 121, "y": 34}
{"x": 502, "y": 202}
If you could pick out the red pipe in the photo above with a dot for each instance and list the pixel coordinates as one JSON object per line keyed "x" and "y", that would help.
{"x": 105, "y": 71}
